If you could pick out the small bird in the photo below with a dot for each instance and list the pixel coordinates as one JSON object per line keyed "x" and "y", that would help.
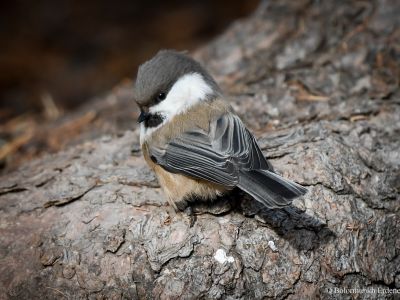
{"x": 197, "y": 146}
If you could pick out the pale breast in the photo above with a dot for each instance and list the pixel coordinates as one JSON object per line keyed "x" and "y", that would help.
{"x": 179, "y": 187}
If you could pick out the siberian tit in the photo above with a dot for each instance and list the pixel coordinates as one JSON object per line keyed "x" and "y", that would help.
{"x": 197, "y": 146}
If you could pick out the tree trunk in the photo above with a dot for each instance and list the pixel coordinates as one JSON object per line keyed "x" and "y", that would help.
{"x": 318, "y": 84}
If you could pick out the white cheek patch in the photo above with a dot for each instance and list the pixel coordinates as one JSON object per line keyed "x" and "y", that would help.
{"x": 186, "y": 92}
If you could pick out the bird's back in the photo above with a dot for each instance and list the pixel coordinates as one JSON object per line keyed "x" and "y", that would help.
{"x": 197, "y": 117}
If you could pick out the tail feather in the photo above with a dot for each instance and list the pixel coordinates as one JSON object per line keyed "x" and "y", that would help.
{"x": 269, "y": 188}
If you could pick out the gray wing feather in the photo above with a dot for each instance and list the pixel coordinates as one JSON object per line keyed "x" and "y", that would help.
{"x": 227, "y": 155}
{"x": 217, "y": 155}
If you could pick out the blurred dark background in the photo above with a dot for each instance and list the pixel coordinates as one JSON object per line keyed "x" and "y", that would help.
{"x": 57, "y": 57}
{"x": 67, "y": 51}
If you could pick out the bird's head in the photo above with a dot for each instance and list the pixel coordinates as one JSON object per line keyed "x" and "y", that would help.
{"x": 169, "y": 84}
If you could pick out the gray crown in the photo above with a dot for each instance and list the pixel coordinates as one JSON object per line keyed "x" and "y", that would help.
{"x": 159, "y": 74}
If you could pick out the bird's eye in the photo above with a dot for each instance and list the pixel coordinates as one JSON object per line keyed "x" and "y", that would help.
{"x": 161, "y": 97}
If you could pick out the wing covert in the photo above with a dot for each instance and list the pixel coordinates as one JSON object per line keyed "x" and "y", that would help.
{"x": 216, "y": 156}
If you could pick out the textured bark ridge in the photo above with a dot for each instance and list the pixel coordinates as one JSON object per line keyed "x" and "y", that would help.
{"x": 318, "y": 84}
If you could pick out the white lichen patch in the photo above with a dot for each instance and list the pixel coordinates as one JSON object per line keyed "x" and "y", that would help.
{"x": 271, "y": 244}
{"x": 220, "y": 256}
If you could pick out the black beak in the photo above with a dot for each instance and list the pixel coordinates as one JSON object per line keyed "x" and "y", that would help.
{"x": 143, "y": 116}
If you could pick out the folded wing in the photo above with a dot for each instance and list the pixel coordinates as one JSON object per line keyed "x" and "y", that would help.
{"x": 227, "y": 155}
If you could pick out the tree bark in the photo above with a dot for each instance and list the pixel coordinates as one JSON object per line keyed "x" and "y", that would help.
{"x": 318, "y": 84}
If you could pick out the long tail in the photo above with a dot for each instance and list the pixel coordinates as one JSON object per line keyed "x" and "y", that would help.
{"x": 269, "y": 188}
